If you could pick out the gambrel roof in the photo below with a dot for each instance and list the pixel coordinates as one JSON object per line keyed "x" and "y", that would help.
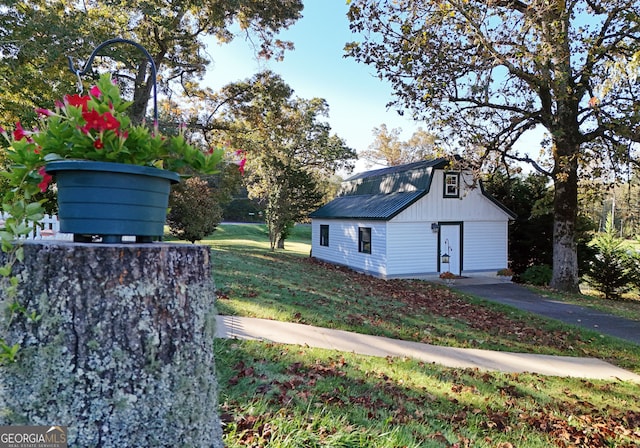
{"x": 381, "y": 194}
{"x": 384, "y": 193}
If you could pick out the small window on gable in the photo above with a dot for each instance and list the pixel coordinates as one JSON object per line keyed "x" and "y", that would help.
{"x": 451, "y": 185}
{"x": 324, "y": 234}
{"x": 364, "y": 240}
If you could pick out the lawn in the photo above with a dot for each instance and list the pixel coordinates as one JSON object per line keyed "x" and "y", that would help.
{"x": 285, "y": 396}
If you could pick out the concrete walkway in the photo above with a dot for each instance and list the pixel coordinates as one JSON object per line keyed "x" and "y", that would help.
{"x": 306, "y": 335}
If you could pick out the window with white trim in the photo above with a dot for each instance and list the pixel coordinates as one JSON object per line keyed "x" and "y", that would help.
{"x": 451, "y": 185}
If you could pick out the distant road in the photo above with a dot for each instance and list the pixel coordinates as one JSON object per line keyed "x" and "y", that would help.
{"x": 238, "y": 223}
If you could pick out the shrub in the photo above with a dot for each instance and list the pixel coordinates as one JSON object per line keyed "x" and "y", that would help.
{"x": 635, "y": 256}
{"x": 613, "y": 270}
{"x": 195, "y": 210}
{"x": 539, "y": 275}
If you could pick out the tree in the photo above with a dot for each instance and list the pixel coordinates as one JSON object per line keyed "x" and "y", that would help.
{"x": 484, "y": 73}
{"x": 291, "y": 153}
{"x": 622, "y": 201}
{"x": 291, "y": 194}
{"x": 194, "y": 210}
{"x": 613, "y": 269}
{"x": 388, "y": 149}
{"x": 531, "y": 233}
{"x": 36, "y": 36}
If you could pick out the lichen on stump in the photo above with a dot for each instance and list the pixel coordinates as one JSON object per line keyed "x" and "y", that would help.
{"x": 121, "y": 350}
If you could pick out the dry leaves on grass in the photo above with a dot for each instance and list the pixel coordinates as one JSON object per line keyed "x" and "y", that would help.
{"x": 421, "y": 297}
{"x": 569, "y": 423}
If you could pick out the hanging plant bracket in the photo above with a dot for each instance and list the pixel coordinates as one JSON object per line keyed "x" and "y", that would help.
{"x": 118, "y": 40}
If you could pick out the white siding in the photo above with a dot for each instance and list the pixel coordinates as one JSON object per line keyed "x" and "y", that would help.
{"x": 471, "y": 205}
{"x": 411, "y": 249}
{"x": 406, "y": 245}
{"x": 485, "y": 246}
{"x": 343, "y": 245}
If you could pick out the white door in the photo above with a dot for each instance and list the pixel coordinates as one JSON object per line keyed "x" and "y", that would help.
{"x": 451, "y": 245}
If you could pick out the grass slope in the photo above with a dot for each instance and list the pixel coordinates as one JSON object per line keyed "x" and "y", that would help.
{"x": 285, "y": 396}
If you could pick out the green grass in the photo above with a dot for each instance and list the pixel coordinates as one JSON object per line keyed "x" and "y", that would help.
{"x": 288, "y": 286}
{"x": 285, "y": 396}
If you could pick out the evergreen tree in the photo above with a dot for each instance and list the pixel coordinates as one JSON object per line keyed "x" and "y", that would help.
{"x": 613, "y": 269}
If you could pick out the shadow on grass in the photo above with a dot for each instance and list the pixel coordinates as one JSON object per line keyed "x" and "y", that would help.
{"x": 273, "y": 395}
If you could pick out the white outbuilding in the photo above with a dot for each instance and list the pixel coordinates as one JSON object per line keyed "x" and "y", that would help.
{"x": 413, "y": 220}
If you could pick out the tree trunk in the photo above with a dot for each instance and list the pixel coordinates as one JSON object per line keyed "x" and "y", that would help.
{"x": 121, "y": 351}
{"x": 565, "y": 256}
{"x": 142, "y": 92}
{"x": 561, "y": 114}
{"x": 273, "y": 240}
{"x": 273, "y": 230}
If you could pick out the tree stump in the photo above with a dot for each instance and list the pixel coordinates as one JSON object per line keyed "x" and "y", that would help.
{"x": 120, "y": 349}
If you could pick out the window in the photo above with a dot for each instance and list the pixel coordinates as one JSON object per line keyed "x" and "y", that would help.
{"x": 364, "y": 240}
{"x": 324, "y": 235}
{"x": 451, "y": 185}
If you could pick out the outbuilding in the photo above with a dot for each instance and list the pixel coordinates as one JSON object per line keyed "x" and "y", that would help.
{"x": 413, "y": 220}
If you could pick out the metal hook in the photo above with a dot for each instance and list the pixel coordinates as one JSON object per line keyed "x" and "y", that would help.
{"x": 119, "y": 40}
{"x": 79, "y": 85}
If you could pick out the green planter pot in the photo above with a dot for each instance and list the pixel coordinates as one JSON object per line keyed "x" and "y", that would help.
{"x": 111, "y": 200}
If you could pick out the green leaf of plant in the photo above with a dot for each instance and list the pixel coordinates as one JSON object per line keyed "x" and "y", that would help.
{"x": 20, "y": 254}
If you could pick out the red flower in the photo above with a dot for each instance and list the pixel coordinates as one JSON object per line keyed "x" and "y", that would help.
{"x": 241, "y": 165}
{"x": 43, "y": 112}
{"x": 20, "y": 133}
{"x": 77, "y": 101}
{"x": 93, "y": 118}
{"x": 95, "y": 92}
{"x": 242, "y": 161}
{"x": 46, "y": 179}
{"x": 98, "y": 144}
{"x": 110, "y": 121}
{"x": 100, "y": 122}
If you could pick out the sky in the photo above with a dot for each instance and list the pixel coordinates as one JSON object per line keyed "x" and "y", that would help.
{"x": 317, "y": 69}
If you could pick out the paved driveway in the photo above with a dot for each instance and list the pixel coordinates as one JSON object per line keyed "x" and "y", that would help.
{"x": 522, "y": 298}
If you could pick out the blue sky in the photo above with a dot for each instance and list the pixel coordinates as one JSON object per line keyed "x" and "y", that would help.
{"x": 316, "y": 68}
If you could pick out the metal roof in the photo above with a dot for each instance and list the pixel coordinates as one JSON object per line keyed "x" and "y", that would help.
{"x": 381, "y": 194}
{"x": 368, "y": 206}
{"x": 401, "y": 178}
{"x": 422, "y": 164}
